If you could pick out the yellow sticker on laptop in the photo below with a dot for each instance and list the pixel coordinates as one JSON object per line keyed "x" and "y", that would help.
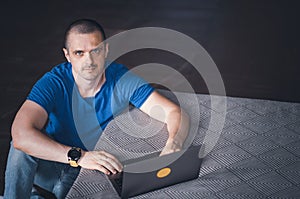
{"x": 163, "y": 172}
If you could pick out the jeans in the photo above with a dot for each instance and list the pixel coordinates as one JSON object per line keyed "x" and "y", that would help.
{"x": 23, "y": 170}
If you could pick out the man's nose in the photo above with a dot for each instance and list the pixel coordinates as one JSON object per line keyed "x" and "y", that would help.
{"x": 89, "y": 59}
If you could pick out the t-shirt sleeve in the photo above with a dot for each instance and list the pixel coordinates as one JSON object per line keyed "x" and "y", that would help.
{"x": 43, "y": 92}
{"x": 134, "y": 88}
{"x": 141, "y": 94}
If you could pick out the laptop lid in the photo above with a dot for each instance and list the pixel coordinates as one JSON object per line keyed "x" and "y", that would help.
{"x": 158, "y": 172}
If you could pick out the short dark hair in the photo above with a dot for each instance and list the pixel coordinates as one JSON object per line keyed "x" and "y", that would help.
{"x": 84, "y": 26}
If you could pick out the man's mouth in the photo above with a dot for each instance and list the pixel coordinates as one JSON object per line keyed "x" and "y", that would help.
{"x": 89, "y": 68}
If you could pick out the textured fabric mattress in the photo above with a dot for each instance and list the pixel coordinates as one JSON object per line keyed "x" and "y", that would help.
{"x": 255, "y": 155}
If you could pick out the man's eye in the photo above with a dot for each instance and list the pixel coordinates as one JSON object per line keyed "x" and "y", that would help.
{"x": 96, "y": 51}
{"x": 78, "y": 53}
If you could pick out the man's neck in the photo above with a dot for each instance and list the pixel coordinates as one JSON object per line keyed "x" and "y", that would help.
{"x": 89, "y": 88}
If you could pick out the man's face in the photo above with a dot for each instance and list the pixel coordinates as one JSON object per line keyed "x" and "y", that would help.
{"x": 87, "y": 55}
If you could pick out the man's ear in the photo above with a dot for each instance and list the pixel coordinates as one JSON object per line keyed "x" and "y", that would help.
{"x": 106, "y": 49}
{"x": 66, "y": 53}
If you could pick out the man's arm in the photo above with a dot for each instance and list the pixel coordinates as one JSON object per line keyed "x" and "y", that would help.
{"x": 177, "y": 120}
{"x": 27, "y": 136}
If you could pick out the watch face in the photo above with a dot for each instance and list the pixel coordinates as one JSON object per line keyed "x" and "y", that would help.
{"x": 74, "y": 154}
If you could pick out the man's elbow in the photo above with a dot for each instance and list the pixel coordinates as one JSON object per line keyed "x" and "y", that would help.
{"x": 180, "y": 115}
{"x": 184, "y": 115}
{"x": 18, "y": 137}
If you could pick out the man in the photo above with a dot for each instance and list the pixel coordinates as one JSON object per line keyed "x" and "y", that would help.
{"x": 48, "y": 140}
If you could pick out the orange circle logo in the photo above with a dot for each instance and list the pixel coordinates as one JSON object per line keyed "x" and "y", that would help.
{"x": 163, "y": 172}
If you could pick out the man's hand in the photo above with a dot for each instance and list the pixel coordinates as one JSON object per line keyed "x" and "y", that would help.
{"x": 101, "y": 161}
{"x": 171, "y": 147}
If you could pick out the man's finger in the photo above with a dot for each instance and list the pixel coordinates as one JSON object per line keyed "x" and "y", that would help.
{"x": 117, "y": 165}
{"x": 108, "y": 165}
{"x": 103, "y": 169}
{"x": 113, "y": 160}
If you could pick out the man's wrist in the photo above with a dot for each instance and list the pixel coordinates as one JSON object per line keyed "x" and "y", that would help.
{"x": 174, "y": 143}
{"x": 74, "y": 154}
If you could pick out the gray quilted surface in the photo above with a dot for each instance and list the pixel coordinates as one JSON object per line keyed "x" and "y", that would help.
{"x": 256, "y": 156}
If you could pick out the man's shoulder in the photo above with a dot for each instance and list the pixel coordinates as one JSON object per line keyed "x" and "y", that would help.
{"x": 61, "y": 70}
{"x": 115, "y": 66}
{"x": 115, "y": 70}
{"x": 59, "y": 75}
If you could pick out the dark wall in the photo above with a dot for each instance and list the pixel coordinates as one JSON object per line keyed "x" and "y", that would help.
{"x": 254, "y": 43}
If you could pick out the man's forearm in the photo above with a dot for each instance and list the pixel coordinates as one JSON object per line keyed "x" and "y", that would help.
{"x": 164, "y": 110}
{"x": 178, "y": 128}
{"x": 41, "y": 146}
{"x": 37, "y": 144}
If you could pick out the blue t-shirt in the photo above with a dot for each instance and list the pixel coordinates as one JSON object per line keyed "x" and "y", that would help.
{"x": 77, "y": 121}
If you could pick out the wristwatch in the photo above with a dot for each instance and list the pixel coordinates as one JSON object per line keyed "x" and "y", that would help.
{"x": 74, "y": 155}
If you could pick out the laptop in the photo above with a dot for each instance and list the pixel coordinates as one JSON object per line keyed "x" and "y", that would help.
{"x": 151, "y": 172}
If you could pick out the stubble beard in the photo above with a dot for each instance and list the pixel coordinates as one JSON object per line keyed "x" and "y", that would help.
{"x": 91, "y": 73}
